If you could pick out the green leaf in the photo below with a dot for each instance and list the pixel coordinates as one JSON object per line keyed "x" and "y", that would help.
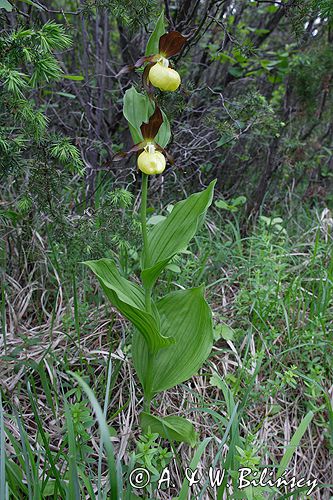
{"x": 75, "y": 78}
{"x": 173, "y": 268}
{"x": 129, "y": 299}
{"x": 226, "y": 139}
{"x": 236, "y": 71}
{"x": 224, "y": 205}
{"x": 266, "y": 220}
{"x": 271, "y": 9}
{"x": 224, "y": 57}
{"x": 187, "y": 317}
{"x": 153, "y": 42}
{"x": 295, "y": 440}
{"x": 172, "y": 428}
{"x": 233, "y": 205}
{"x": 173, "y": 234}
{"x": 137, "y": 109}
{"x": 6, "y": 5}
{"x": 66, "y": 94}
{"x": 223, "y": 331}
{"x": 164, "y": 134}
{"x": 155, "y": 219}
{"x": 216, "y": 381}
{"x": 49, "y": 489}
{"x": 240, "y": 200}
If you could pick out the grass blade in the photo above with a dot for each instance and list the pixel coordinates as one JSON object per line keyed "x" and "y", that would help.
{"x": 53, "y": 468}
{"x": 193, "y": 465}
{"x": 28, "y": 462}
{"x": 294, "y": 442}
{"x": 106, "y": 404}
{"x": 2, "y": 454}
{"x": 116, "y": 494}
{"x": 73, "y": 492}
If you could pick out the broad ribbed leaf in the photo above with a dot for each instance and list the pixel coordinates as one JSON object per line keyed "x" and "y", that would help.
{"x": 137, "y": 109}
{"x": 172, "y": 428}
{"x": 129, "y": 299}
{"x": 186, "y": 316}
{"x": 164, "y": 134}
{"x": 154, "y": 39}
{"x": 175, "y": 232}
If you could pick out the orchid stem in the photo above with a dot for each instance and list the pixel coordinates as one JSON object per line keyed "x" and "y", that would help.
{"x": 145, "y": 258}
{"x": 144, "y": 215}
{"x": 148, "y": 289}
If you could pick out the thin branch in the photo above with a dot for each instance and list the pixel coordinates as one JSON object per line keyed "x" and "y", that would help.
{"x": 60, "y": 11}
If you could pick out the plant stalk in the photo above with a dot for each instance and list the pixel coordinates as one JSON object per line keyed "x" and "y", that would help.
{"x": 148, "y": 290}
{"x": 145, "y": 257}
{"x": 144, "y": 195}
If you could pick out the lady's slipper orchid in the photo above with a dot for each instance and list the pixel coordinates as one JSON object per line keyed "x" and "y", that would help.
{"x": 158, "y": 72}
{"x": 151, "y": 159}
{"x": 163, "y": 77}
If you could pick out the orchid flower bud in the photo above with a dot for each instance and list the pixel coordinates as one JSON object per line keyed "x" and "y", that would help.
{"x": 150, "y": 161}
{"x": 163, "y": 77}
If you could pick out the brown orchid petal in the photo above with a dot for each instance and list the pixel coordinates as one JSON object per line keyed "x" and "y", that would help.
{"x": 145, "y": 80}
{"x": 171, "y": 43}
{"x": 149, "y": 130}
{"x": 143, "y": 60}
{"x": 134, "y": 149}
{"x": 164, "y": 151}
{"x": 119, "y": 156}
{"x": 140, "y": 62}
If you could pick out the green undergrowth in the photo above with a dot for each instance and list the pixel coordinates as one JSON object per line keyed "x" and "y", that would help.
{"x": 271, "y": 293}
